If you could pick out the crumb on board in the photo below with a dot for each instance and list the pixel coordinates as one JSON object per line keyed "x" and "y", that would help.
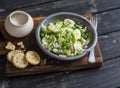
{"x": 21, "y": 44}
{"x": 10, "y": 46}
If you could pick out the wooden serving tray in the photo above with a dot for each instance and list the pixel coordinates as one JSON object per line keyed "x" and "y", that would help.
{"x": 52, "y": 64}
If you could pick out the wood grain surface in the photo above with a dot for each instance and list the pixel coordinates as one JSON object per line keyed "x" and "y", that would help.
{"x": 52, "y": 64}
{"x": 47, "y": 7}
{"x": 108, "y": 76}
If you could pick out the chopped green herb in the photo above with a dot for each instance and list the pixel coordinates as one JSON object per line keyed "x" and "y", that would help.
{"x": 43, "y": 61}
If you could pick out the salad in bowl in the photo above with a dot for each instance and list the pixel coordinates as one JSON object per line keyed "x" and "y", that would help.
{"x": 66, "y": 36}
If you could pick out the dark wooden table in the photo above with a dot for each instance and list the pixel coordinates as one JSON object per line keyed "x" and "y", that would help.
{"x": 108, "y": 76}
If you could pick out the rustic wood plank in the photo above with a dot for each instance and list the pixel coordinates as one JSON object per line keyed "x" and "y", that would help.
{"x": 106, "y": 77}
{"x": 52, "y": 65}
{"x": 16, "y": 4}
{"x": 108, "y": 22}
{"x": 59, "y": 4}
{"x": 78, "y": 6}
{"x": 110, "y": 45}
{"x": 96, "y": 5}
{"x": 105, "y": 5}
{"x": 49, "y": 8}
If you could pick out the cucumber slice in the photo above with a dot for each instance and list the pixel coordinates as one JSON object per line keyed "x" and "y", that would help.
{"x": 59, "y": 24}
{"x": 43, "y": 28}
{"x": 51, "y": 27}
{"x": 44, "y": 41}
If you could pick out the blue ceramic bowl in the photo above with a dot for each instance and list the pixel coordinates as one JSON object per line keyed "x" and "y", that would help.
{"x": 76, "y": 18}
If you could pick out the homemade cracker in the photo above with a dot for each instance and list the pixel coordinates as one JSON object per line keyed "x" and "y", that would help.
{"x": 19, "y": 60}
{"x": 33, "y": 57}
{"x": 11, "y": 54}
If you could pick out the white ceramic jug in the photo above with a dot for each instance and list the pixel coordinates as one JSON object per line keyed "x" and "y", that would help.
{"x": 19, "y": 24}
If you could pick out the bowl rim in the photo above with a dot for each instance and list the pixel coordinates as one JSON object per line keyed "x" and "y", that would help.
{"x": 60, "y": 57}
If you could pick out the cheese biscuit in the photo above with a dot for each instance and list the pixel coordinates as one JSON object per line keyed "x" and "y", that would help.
{"x": 19, "y": 60}
{"x": 33, "y": 57}
{"x": 11, "y": 54}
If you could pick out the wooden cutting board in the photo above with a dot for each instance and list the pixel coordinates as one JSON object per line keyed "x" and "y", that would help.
{"x": 52, "y": 64}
